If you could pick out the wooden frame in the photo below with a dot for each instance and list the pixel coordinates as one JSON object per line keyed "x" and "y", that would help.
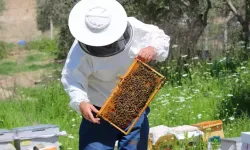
{"x": 211, "y": 128}
{"x": 136, "y": 63}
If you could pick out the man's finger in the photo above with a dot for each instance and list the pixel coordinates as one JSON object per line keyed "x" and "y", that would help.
{"x": 91, "y": 117}
{"x": 94, "y": 109}
{"x": 87, "y": 118}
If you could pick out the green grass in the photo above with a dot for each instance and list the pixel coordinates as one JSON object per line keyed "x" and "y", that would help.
{"x": 204, "y": 98}
{"x": 30, "y": 63}
{"x": 8, "y": 68}
{"x": 37, "y": 57}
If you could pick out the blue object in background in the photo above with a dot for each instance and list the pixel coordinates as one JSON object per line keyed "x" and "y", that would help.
{"x": 215, "y": 138}
{"x": 22, "y": 42}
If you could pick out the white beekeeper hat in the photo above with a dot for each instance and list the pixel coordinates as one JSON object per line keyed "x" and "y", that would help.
{"x": 97, "y": 22}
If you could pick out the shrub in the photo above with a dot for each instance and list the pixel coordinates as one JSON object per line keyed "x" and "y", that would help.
{"x": 43, "y": 45}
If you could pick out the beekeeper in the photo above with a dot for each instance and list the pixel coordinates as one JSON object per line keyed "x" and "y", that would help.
{"x": 106, "y": 43}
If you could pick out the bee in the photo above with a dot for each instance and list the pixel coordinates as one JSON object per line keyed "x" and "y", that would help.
{"x": 132, "y": 96}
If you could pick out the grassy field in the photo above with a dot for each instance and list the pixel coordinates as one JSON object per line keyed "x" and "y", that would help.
{"x": 205, "y": 97}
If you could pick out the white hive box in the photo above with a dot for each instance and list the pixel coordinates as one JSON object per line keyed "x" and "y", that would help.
{"x": 40, "y": 136}
{"x": 245, "y": 139}
{"x": 6, "y": 138}
{"x": 231, "y": 143}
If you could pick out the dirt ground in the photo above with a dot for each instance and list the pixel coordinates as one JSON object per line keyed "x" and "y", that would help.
{"x": 18, "y": 21}
{"x": 9, "y": 83}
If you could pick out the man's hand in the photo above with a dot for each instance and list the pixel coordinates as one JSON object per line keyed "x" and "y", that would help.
{"x": 86, "y": 110}
{"x": 147, "y": 54}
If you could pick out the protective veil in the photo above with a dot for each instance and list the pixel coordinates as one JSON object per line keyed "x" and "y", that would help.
{"x": 111, "y": 49}
{"x": 90, "y": 75}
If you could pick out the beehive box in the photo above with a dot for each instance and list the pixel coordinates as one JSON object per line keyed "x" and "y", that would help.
{"x": 231, "y": 143}
{"x": 131, "y": 96}
{"x": 211, "y": 128}
{"x": 6, "y": 137}
{"x": 39, "y": 136}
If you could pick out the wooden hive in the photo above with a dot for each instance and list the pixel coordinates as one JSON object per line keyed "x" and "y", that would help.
{"x": 211, "y": 128}
{"x": 131, "y": 96}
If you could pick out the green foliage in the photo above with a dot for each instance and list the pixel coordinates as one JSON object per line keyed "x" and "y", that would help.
{"x": 43, "y": 45}
{"x": 59, "y": 12}
{"x": 8, "y": 68}
{"x": 65, "y": 42}
{"x": 47, "y": 10}
{"x": 5, "y": 48}
{"x": 194, "y": 101}
{"x": 2, "y": 6}
{"x": 237, "y": 104}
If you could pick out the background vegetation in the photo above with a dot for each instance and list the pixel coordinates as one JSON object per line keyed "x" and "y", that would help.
{"x": 207, "y": 70}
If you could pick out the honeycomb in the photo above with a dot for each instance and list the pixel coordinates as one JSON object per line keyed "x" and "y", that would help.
{"x": 131, "y": 96}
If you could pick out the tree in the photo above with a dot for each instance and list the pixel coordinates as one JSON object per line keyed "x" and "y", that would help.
{"x": 2, "y": 4}
{"x": 58, "y": 11}
{"x": 183, "y": 20}
{"x": 243, "y": 17}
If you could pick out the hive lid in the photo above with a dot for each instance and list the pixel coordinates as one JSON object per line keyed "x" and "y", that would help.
{"x": 37, "y": 127}
{"x": 2, "y": 131}
{"x": 235, "y": 139}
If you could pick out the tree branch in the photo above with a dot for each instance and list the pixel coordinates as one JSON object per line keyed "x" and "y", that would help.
{"x": 209, "y": 6}
{"x": 229, "y": 17}
{"x": 234, "y": 10}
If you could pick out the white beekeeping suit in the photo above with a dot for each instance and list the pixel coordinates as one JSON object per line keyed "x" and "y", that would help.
{"x": 90, "y": 78}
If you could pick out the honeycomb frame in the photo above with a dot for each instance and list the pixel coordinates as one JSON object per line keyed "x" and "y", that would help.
{"x": 109, "y": 103}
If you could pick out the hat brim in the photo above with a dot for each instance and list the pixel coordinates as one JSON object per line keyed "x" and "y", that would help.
{"x": 113, "y": 32}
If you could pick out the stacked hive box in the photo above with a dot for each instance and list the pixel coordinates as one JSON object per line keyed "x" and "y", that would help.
{"x": 35, "y": 137}
{"x": 6, "y": 138}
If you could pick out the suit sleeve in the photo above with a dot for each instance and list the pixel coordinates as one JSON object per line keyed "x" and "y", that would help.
{"x": 150, "y": 35}
{"x": 74, "y": 81}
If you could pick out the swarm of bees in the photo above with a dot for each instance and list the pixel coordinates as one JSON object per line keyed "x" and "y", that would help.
{"x": 131, "y": 96}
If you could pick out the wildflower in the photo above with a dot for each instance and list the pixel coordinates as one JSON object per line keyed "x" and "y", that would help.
{"x": 184, "y": 56}
{"x": 223, "y": 59}
{"x": 196, "y": 91}
{"x": 73, "y": 125}
{"x": 230, "y": 95}
{"x": 167, "y": 95}
{"x": 241, "y": 42}
{"x": 242, "y": 67}
{"x": 199, "y": 116}
{"x": 175, "y": 46}
{"x": 182, "y": 93}
{"x": 73, "y": 119}
{"x": 184, "y": 75}
{"x": 181, "y": 99}
{"x": 71, "y": 137}
{"x": 209, "y": 63}
{"x": 196, "y": 58}
{"x": 218, "y": 96}
{"x": 231, "y": 118}
{"x": 186, "y": 64}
